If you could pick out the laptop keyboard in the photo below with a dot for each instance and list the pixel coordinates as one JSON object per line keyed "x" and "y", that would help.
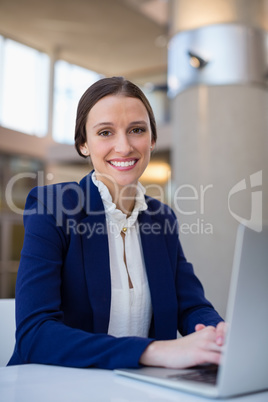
{"x": 206, "y": 375}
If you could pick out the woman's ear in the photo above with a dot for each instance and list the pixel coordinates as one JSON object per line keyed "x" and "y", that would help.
{"x": 84, "y": 150}
{"x": 152, "y": 146}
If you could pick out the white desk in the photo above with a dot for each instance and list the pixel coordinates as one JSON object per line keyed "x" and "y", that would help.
{"x": 31, "y": 383}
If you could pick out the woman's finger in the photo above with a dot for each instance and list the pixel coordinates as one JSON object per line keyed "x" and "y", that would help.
{"x": 221, "y": 330}
{"x": 199, "y": 327}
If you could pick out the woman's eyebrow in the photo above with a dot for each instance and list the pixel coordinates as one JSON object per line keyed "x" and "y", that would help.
{"x": 109, "y": 123}
{"x": 104, "y": 123}
{"x": 138, "y": 122}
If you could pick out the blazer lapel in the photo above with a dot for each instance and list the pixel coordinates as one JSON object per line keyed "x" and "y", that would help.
{"x": 96, "y": 256}
{"x": 160, "y": 276}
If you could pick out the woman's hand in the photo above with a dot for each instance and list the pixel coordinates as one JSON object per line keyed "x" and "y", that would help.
{"x": 221, "y": 331}
{"x": 197, "y": 348}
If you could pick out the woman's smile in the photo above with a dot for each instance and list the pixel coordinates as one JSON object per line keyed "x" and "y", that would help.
{"x": 123, "y": 164}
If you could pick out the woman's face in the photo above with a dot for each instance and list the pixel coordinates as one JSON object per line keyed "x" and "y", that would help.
{"x": 119, "y": 140}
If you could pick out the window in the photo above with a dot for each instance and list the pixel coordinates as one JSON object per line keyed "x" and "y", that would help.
{"x": 24, "y": 87}
{"x": 71, "y": 82}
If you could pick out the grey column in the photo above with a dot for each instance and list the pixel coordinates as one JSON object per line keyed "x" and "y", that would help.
{"x": 218, "y": 82}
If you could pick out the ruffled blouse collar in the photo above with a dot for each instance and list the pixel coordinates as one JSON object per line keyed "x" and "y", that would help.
{"x": 116, "y": 218}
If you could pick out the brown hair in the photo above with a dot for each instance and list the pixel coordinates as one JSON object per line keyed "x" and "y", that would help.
{"x": 100, "y": 89}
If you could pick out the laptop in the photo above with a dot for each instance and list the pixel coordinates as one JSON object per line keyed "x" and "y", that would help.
{"x": 244, "y": 362}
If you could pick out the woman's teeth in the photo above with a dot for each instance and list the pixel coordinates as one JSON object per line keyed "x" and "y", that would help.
{"x": 122, "y": 164}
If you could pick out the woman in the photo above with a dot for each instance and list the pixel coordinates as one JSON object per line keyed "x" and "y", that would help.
{"x": 103, "y": 281}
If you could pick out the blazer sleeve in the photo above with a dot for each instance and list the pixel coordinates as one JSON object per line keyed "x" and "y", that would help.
{"x": 41, "y": 334}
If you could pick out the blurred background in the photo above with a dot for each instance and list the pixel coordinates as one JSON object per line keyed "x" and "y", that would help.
{"x": 203, "y": 64}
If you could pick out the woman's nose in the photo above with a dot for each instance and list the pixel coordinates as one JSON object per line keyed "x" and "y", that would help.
{"x": 123, "y": 145}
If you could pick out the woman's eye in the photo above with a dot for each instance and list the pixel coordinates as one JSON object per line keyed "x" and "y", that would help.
{"x": 138, "y": 130}
{"x": 105, "y": 133}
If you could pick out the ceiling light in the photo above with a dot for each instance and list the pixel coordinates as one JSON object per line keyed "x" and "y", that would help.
{"x": 197, "y": 61}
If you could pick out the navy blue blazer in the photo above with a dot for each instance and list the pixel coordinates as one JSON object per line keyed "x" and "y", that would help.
{"x": 63, "y": 288}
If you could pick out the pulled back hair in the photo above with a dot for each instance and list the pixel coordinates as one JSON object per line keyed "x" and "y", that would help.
{"x": 97, "y": 91}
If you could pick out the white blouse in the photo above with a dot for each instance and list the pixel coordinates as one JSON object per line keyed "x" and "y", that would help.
{"x": 131, "y": 308}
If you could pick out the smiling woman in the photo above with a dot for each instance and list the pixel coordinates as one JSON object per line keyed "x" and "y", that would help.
{"x": 103, "y": 281}
{"x": 119, "y": 142}
{"x": 116, "y": 127}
